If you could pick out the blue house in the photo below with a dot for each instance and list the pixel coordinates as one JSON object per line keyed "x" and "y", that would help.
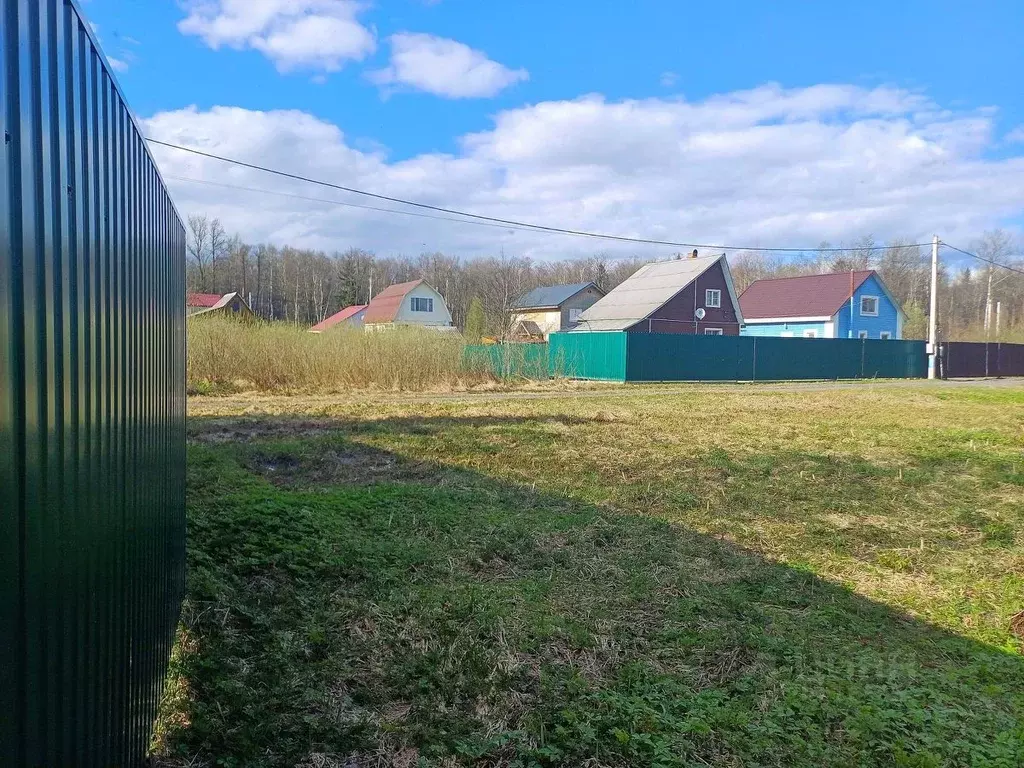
{"x": 844, "y": 305}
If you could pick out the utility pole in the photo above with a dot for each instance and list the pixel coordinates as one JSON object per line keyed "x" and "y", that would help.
{"x": 933, "y": 343}
{"x": 988, "y": 304}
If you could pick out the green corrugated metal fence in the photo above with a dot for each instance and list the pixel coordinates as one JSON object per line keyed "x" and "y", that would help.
{"x": 620, "y": 356}
{"x": 588, "y": 355}
{"x": 509, "y": 360}
{"x": 92, "y": 404}
{"x": 679, "y": 357}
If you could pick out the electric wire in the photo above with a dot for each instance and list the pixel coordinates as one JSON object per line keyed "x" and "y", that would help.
{"x": 513, "y": 222}
{"x": 478, "y": 219}
{"x": 982, "y": 258}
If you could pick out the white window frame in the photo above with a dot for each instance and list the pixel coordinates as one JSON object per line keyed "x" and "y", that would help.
{"x": 862, "y": 334}
{"x": 885, "y": 335}
{"x": 810, "y": 333}
{"x": 415, "y": 302}
{"x": 574, "y": 314}
{"x": 713, "y": 298}
{"x": 714, "y": 332}
{"x": 877, "y": 304}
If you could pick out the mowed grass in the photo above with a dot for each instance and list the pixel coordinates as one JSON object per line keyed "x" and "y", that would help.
{"x": 738, "y": 577}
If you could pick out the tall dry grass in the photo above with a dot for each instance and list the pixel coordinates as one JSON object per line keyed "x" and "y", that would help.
{"x": 224, "y": 354}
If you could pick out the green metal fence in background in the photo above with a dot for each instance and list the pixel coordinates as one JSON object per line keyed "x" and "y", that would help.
{"x": 509, "y": 361}
{"x": 678, "y": 357}
{"x": 92, "y": 403}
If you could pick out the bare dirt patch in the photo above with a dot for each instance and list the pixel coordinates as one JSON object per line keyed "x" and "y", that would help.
{"x": 354, "y": 464}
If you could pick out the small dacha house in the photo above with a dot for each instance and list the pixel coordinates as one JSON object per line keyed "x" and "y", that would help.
{"x": 553, "y": 308}
{"x": 210, "y": 304}
{"x": 349, "y": 317}
{"x": 692, "y": 295}
{"x": 843, "y": 305}
{"x": 408, "y": 304}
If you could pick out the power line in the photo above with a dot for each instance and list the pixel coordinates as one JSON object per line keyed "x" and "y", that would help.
{"x": 339, "y": 202}
{"x": 243, "y": 188}
{"x": 511, "y": 222}
{"x": 982, "y": 258}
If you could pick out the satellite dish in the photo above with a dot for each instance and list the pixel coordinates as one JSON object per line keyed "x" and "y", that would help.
{"x": 699, "y": 314}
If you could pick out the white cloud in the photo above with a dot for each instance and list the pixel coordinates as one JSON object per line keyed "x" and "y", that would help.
{"x": 445, "y": 68}
{"x": 1016, "y": 136}
{"x": 669, "y": 79}
{"x": 295, "y": 34}
{"x": 118, "y": 65}
{"x": 767, "y": 167}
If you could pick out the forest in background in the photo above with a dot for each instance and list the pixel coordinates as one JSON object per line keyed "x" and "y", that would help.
{"x": 304, "y": 286}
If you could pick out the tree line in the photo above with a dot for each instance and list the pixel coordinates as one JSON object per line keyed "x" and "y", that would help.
{"x": 304, "y": 286}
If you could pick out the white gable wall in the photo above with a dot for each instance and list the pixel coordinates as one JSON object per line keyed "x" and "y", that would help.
{"x": 440, "y": 315}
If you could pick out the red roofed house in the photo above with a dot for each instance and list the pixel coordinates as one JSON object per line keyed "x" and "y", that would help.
{"x": 409, "y": 304}
{"x": 350, "y": 317}
{"x": 230, "y": 305}
{"x": 843, "y": 305}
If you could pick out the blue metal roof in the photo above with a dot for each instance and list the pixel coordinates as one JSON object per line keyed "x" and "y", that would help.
{"x": 549, "y": 295}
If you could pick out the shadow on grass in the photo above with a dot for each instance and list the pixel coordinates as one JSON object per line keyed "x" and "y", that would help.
{"x": 350, "y": 607}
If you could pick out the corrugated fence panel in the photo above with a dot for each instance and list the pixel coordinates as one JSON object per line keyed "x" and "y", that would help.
{"x": 92, "y": 404}
{"x": 599, "y": 356}
{"x": 778, "y": 359}
{"x": 681, "y": 357}
{"x": 1011, "y": 359}
{"x": 894, "y": 359}
{"x": 511, "y": 360}
{"x": 977, "y": 359}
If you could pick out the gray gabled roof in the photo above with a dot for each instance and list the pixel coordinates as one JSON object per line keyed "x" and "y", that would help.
{"x": 550, "y": 295}
{"x": 645, "y": 292}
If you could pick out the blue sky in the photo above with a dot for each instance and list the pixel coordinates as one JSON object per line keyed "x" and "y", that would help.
{"x": 484, "y": 105}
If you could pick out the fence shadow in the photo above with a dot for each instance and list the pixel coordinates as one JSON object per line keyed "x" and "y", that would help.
{"x": 350, "y": 605}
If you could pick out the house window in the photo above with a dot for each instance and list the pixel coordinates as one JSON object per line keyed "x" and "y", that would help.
{"x": 712, "y": 298}
{"x": 862, "y": 334}
{"x": 884, "y": 335}
{"x": 712, "y": 331}
{"x": 869, "y": 306}
{"x": 422, "y": 305}
{"x": 810, "y": 333}
{"x": 574, "y": 314}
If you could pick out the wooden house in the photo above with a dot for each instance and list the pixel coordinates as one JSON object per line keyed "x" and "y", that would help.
{"x": 408, "y": 304}
{"x": 692, "y": 295}
{"x": 842, "y": 305}
{"x": 553, "y": 308}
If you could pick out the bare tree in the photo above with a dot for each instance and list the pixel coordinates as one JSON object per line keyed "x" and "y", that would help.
{"x": 218, "y": 249}
{"x": 198, "y": 235}
{"x": 995, "y": 246}
{"x": 304, "y": 286}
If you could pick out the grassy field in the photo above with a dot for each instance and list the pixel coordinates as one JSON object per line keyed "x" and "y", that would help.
{"x": 737, "y": 576}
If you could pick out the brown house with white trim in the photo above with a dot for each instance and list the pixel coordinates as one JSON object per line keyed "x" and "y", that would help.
{"x": 693, "y": 295}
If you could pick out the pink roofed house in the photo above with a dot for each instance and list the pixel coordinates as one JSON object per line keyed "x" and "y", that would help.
{"x": 349, "y": 317}
{"x": 227, "y": 305}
